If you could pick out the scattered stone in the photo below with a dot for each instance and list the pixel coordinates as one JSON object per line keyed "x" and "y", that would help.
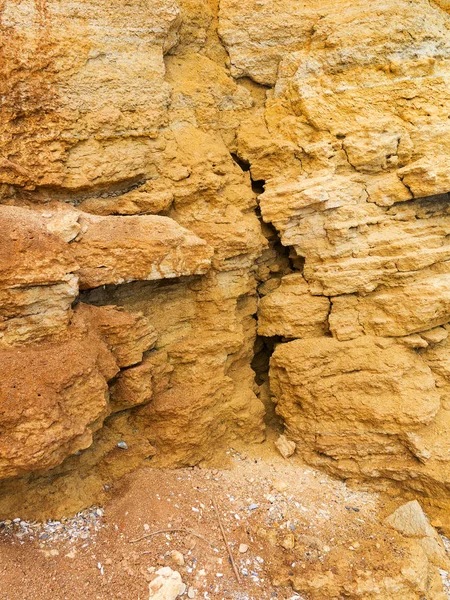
{"x": 123, "y": 445}
{"x": 177, "y": 558}
{"x": 84, "y": 525}
{"x": 288, "y": 542}
{"x": 243, "y": 548}
{"x": 191, "y": 592}
{"x": 50, "y": 553}
{"x": 253, "y": 506}
{"x": 285, "y": 447}
{"x": 280, "y": 485}
{"x": 410, "y": 520}
{"x": 167, "y": 585}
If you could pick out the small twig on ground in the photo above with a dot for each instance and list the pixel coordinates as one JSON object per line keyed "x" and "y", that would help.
{"x": 233, "y": 564}
{"x": 188, "y": 531}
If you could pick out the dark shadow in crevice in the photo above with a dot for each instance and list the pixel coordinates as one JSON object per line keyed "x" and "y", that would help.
{"x": 263, "y": 350}
{"x": 258, "y": 186}
{"x": 243, "y": 164}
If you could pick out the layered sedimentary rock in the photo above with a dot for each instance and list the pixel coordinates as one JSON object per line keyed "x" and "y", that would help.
{"x": 118, "y": 190}
{"x": 56, "y": 360}
{"x": 292, "y": 311}
{"x": 352, "y": 146}
{"x": 135, "y": 140}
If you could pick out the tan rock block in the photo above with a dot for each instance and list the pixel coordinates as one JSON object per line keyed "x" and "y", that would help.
{"x": 53, "y": 396}
{"x": 114, "y": 250}
{"x": 397, "y": 311}
{"x": 368, "y": 382}
{"x": 88, "y": 77}
{"x": 253, "y": 52}
{"x": 410, "y": 520}
{"x": 285, "y": 446}
{"x": 128, "y": 335}
{"x": 292, "y": 312}
{"x": 426, "y": 177}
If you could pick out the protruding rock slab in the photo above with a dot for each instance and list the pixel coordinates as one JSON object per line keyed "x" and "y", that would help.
{"x": 47, "y": 254}
{"x": 128, "y": 335}
{"x": 114, "y": 250}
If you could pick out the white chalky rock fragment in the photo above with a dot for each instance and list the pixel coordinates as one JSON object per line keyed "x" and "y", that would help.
{"x": 243, "y": 548}
{"x": 280, "y": 485}
{"x": 167, "y": 585}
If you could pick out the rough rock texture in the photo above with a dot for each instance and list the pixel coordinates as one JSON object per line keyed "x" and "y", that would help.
{"x": 165, "y": 163}
{"x": 128, "y": 245}
{"x": 352, "y": 146}
{"x": 292, "y": 311}
{"x": 411, "y": 521}
{"x": 167, "y": 585}
{"x": 172, "y": 172}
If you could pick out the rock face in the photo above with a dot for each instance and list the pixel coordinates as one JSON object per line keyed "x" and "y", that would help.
{"x": 128, "y": 242}
{"x": 352, "y": 147}
{"x": 177, "y": 176}
{"x": 411, "y": 521}
{"x": 170, "y": 169}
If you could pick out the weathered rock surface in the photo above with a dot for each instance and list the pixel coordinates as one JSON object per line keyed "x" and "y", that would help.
{"x": 352, "y": 146}
{"x": 56, "y": 362}
{"x": 53, "y": 396}
{"x": 117, "y": 188}
{"x": 411, "y": 521}
{"x": 292, "y": 311}
{"x": 136, "y": 139}
{"x": 362, "y": 388}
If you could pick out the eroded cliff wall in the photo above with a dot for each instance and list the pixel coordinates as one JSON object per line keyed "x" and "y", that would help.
{"x": 178, "y": 174}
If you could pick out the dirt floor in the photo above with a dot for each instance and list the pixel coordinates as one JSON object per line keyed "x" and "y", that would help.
{"x": 156, "y": 518}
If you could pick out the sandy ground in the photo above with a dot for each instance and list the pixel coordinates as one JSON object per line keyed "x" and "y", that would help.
{"x": 263, "y": 502}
